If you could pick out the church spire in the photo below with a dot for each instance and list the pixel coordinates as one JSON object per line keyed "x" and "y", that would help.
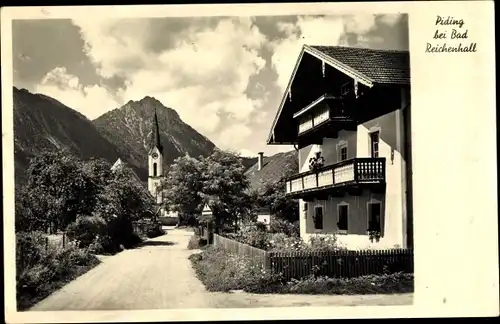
{"x": 155, "y": 135}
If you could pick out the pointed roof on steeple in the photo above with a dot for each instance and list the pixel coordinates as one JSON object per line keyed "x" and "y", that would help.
{"x": 155, "y": 135}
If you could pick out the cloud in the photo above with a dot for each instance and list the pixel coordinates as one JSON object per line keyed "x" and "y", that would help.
{"x": 390, "y": 19}
{"x": 202, "y": 77}
{"x": 91, "y": 101}
{"x": 235, "y": 135}
{"x": 247, "y": 153}
{"x": 224, "y": 75}
{"x": 307, "y": 30}
{"x": 326, "y": 30}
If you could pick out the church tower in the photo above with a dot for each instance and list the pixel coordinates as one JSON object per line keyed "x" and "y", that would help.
{"x": 155, "y": 161}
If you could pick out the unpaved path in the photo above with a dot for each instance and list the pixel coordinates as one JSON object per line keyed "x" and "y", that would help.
{"x": 158, "y": 275}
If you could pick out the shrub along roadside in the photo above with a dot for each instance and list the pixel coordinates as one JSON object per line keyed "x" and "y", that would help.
{"x": 223, "y": 271}
{"x": 41, "y": 270}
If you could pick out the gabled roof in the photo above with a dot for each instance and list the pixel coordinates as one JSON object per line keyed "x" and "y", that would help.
{"x": 378, "y": 66}
{"x": 118, "y": 163}
{"x": 274, "y": 168}
{"x": 367, "y": 66}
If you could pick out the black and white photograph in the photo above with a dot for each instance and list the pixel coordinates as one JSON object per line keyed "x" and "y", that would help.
{"x": 220, "y": 162}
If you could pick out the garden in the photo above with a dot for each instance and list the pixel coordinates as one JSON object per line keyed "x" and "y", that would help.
{"x": 260, "y": 259}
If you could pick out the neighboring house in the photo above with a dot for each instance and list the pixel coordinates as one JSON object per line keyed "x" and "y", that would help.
{"x": 155, "y": 170}
{"x": 270, "y": 169}
{"x": 347, "y": 111}
{"x": 118, "y": 164}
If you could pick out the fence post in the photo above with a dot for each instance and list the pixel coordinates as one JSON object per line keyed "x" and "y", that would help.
{"x": 267, "y": 261}
{"x": 46, "y": 243}
{"x": 64, "y": 240}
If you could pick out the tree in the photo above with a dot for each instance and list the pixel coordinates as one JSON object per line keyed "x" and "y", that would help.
{"x": 29, "y": 211}
{"x": 182, "y": 188}
{"x": 225, "y": 188}
{"x": 123, "y": 196}
{"x": 58, "y": 188}
{"x": 123, "y": 201}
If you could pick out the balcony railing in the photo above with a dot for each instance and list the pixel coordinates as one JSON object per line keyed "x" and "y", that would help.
{"x": 353, "y": 171}
{"x": 325, "y": 108}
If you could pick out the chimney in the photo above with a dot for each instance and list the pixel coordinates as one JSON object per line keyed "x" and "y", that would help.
{"x": 261, "y": 156}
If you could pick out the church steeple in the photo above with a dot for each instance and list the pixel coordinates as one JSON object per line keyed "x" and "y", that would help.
{"x": 155, "y": 135}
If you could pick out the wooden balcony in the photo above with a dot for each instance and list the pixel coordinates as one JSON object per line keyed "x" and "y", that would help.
{"x": 324, "y": 110}
{"x": 352, "y": 173}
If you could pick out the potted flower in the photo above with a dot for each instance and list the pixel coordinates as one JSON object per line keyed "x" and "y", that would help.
{"x": 316, "y": 163}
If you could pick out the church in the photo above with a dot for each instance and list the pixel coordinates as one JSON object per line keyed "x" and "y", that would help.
{"x": 155, "y": 169}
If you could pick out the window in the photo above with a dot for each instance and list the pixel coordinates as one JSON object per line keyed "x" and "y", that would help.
{"x": 374, "y": 211}
{"x": 318, "y": 217}
{"x": 343, "y": 212}
{"x": 374, "y": 139}
{"x": 155, "y": 171}
{"x": 342, "y": 152}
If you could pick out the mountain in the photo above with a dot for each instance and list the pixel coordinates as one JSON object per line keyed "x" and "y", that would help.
{"x": 43, "y": 123}
{"x": 129, "y": 129}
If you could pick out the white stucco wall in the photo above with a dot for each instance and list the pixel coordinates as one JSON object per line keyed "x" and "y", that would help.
{"x": 393, "y": 201}
{"x": 264, "y": 219}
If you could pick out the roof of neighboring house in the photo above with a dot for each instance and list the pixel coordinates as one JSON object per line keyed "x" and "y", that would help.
{"x": 380, "y": 66}
{"x": 118, "y": 163}
{"x": 274, "y": 168}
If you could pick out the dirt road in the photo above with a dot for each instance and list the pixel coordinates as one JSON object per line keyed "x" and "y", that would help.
{"x": 158, "y": 275}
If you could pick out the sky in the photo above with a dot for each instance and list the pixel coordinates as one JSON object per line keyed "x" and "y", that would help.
{"x": 225, "y": 76}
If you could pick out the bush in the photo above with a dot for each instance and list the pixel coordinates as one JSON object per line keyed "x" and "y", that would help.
{"x": 53, "y": 268}
{"x": 31, "y": 247}
{"x": 280, "y": 242}
{"x": 254, "y": 234}
{"x": 278, "y": 225}
{"x": 323, "y": 243}
{"x": 155, "y": 230}
{"x": 223, "y": 271}
{"x": 196, "y": 242}
{"x": 85, "y": 229}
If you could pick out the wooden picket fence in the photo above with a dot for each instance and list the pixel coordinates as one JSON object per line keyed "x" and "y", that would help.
{"x": 257, "y": 255}
{"x": 296, "y": 265}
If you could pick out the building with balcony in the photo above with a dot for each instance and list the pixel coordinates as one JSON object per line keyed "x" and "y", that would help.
{"x": 347, "y": 113}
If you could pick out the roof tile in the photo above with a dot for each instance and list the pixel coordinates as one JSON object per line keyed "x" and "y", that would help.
{"x": 382, "y": 66}
{"x": 273, "y": 170}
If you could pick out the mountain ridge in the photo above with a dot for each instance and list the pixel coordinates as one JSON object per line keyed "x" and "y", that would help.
{"x": 43, "y": 123}
{"x": 129, "y": 127}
